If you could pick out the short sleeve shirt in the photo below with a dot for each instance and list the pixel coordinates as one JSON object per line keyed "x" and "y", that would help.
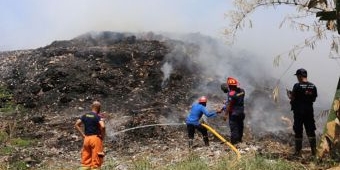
{"x": 91, "y": 123}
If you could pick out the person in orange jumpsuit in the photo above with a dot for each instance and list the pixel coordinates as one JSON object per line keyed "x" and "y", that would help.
{"x": 92, "y": 154}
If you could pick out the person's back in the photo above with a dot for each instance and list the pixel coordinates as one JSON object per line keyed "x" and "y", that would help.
{"x": 302, "y": 98}
{"x": 91, "y": 123}
{"x": 305, "y": 94}
{"x": 195, "y": 114}
{"x": 192, "y": 120}
{"x": 94, "y": 131}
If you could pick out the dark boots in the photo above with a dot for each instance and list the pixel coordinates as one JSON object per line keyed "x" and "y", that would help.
{"x": 190, "y": 143}
{"x": 206, "y": 140}
{"x": 312, "y": 143}
{"x": 298, "y": 147}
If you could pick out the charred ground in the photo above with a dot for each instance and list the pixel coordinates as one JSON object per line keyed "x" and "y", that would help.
{"x": 54, "y": 84}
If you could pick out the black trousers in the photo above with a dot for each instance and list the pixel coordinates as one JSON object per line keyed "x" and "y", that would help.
{"x": 236, "y": 128}
{"x": 191, "y": 130}
{"x": 304, "y": 118}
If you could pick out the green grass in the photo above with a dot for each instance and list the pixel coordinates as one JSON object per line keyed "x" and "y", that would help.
{"x": 193, "y": 162}
{"x": 21, "y": 142}
{"x": 248, "y": 162}
{"x": 109, "y": 164}
{"x": 6, "y": 150}
{"x": 142, "y": 164}
{"x": 258, "y": 162}
{"x": 3, "y": 137}
{"x": 5, "y": 94}
{"x": 18, "y": 165}
{"x": 7, "y": 105}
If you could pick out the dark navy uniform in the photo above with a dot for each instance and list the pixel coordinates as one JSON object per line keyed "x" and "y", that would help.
{"x": 91, "y": 122}
{"x": 235, "y": 102}
{"x": 303, "y": 97}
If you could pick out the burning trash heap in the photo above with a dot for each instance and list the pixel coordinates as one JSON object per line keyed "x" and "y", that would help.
{"x": 140, "y": 79}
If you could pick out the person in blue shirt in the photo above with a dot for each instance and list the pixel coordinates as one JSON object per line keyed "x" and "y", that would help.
{"x": 234, "y": 109}
{"x": 193, "y": 120}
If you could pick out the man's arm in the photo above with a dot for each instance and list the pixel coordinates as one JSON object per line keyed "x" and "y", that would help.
{"x": 293, "y": 92}
{"x": 292, "y": 96}
{"x": 102, "y": 129}
{"x": 78, "y": 127}
{"x": 315, "y": 93}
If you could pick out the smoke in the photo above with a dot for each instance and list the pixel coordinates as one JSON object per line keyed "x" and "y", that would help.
{"x": 256, "y": 74}
{"x": 81, "y": 16}
{"x": 217, "y": 62}
{"x": 166, "y": 69}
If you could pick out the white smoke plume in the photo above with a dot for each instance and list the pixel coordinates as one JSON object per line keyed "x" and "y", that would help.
{"x": 166, "y": 69}
{"x": 255, "y": 76}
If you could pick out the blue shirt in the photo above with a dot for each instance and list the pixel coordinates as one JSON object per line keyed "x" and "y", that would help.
{"x": 197, "y": 111}
{"x": 91, "y": 123}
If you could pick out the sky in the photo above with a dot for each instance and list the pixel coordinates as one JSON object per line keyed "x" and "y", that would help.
{"x": 26, "y": 24}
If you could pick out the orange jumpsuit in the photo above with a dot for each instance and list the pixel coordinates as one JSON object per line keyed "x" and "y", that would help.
{"x": 92, "y": 154}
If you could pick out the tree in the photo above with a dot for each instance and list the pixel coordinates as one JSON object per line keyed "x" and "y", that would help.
{"x": 322, "y": 29}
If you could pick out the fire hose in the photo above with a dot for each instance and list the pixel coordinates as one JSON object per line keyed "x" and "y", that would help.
{"x": 222, "y": 139}
{"x": 179, "y": 124}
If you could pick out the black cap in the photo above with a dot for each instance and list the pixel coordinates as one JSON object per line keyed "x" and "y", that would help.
{"x": 301, "y": 72}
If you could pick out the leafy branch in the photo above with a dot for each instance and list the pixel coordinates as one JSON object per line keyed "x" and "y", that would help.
{"x": 306, "y": 8}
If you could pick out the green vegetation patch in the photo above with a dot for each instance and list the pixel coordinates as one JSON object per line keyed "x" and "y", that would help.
{"x": 5, "y": 94}
{"x": 142, "y": 164}
{"x": 19, "y": 165}
{"x": 5, "y": 150}
{"x": 3, "y": 136}
{"x": 21, "y": 142}
{"x": 109, "y": 164}
{"x": 192, "y": 162}
{"x": 258, "y": 162}
{"x": 6, "y": 103}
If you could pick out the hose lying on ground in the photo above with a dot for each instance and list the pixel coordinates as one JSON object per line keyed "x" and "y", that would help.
{"x": 144, "y": 126}
{"x": 222, "y": 139}
{"x": 179, "y": 124}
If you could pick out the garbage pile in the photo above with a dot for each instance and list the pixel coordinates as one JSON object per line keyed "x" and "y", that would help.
{"x": 138, "y": 82}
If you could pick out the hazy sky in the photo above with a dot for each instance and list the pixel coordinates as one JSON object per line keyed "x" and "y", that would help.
{"x": 35, "y": 23}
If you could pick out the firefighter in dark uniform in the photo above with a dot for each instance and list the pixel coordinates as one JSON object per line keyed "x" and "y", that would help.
{"x": 234, "y": 109}
{"x": 302, "y": 98}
